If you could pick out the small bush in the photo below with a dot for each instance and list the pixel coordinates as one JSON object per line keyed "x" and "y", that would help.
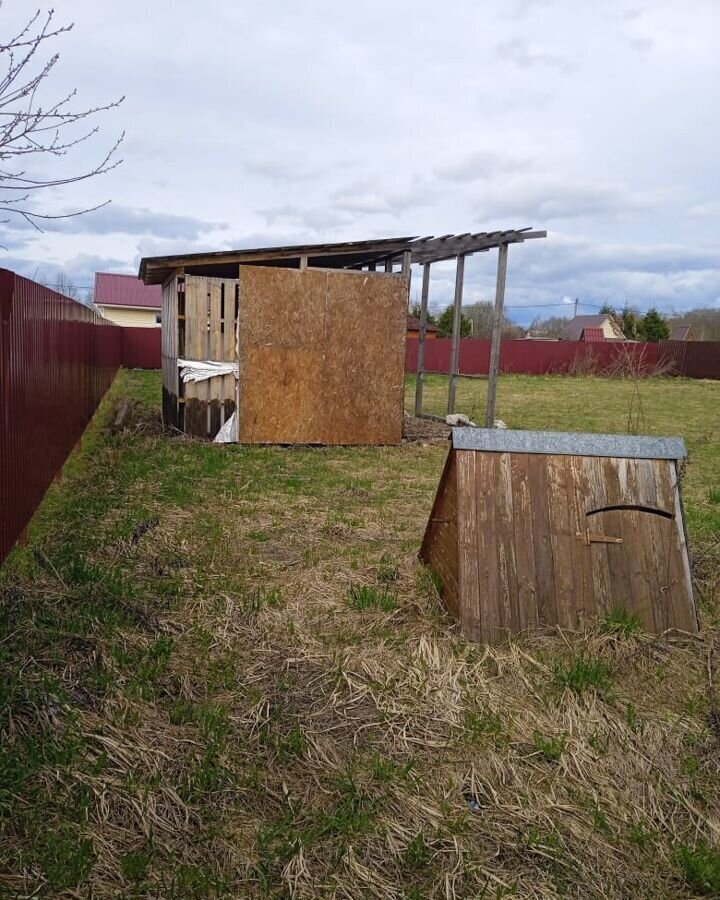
{"x": 582, "y": 675}
{"x": 700, "y": 867}
{"x": 620, "y": 621}
{"x": 362, "y": 596}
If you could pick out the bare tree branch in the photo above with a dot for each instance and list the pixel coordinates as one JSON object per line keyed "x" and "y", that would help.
{"x": 29, "y": 130}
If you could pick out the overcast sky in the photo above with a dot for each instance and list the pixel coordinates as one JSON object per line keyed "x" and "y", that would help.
{"x": 258, "y": 123}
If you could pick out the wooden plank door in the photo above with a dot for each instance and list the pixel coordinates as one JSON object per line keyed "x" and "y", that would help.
{"x": 633, "y": 535}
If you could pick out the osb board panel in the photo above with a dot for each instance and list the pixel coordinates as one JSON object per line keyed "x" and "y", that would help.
{"x": 440, "y": 544}
{"x": 523, "y": 559}
{"x": 321, "y": 356}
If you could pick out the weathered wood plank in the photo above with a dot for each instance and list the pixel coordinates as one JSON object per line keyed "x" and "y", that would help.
{"x": 563, "y": 540}
{"x": 523, "y": 536}
{"x": 467, "y": 518}
{"x": 440, "y": 543}
{"x": 455, "y": 344}
{"x": 505, "y": 541}
{"x": 494, "y": 367}
{"x": 685, "y": 612}
{"x": 594, "y": 483}
{"x": 490, "y": 617}
{"x": 546, "y": 591}
{"x": 578, "y": 488}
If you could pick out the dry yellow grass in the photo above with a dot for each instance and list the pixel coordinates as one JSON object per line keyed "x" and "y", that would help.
{"x": 227, "y": 675}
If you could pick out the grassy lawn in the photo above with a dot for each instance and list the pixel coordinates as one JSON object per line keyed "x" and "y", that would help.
{"x": 224, "y": 674}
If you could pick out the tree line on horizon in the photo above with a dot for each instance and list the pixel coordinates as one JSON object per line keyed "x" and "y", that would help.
{"x": 651, "y": 326}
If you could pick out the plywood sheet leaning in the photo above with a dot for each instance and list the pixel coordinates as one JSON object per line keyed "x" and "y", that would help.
{"x": 538, "y": 528}
{"x": 321, "y": 355}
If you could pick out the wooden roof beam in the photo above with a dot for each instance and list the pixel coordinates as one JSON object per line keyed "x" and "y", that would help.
{"x": 475, "y": 243}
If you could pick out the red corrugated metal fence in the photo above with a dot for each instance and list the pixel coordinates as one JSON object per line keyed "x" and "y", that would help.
{"x": 57, "y": 359}
{"x": 694, "y": 359}
{"x": 141, "y": 348}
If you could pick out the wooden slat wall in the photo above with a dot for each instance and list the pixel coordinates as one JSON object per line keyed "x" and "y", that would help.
{"x": 321, "y": 356}
{"x": 521, "y": 555}
{"x": 210, "y": 334}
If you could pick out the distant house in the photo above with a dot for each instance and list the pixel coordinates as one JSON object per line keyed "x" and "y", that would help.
{"x": 125, "y": 300}
{"x": 590, "y": 327}
{"x": 592, "y": 334}
{"x": 413, "y": 329}
{"x": 680, "y": 333}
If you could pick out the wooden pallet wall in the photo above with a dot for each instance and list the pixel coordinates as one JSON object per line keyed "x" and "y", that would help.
{"x": 201, "y": 321}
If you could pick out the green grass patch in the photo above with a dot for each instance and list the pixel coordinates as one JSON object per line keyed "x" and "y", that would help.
{"x": 620, "y": 621}
{"x": 582, "y": 675}
{"x": 550, "y": 747}
{"x": 362, "y": 597}
{"x": 700, "y": 867}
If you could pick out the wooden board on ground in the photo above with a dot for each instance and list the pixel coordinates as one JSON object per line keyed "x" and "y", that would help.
{"x": 545, "y": 536}
{"x": 321, "y": 355}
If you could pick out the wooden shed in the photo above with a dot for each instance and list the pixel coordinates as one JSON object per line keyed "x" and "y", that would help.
{"x": 286, "y": 330}
{"x": 306, "y": 343}
{"x": 543, "y": 528}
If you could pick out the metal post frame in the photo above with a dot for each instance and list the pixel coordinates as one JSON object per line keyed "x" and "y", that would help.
{"x": 420, "y": 371}
{"x": 457, "y": 318}
{"x": 496, "y": 336}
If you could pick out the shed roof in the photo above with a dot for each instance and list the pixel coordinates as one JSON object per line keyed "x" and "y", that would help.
{"x": 562, "y": 443}
{"x": 344, "y": 255}
{"x": 112, "y": 289}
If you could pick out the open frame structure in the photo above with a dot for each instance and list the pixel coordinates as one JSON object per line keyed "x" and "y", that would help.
{"x": 202, "y": 303}
{"x": 458, "y": 247}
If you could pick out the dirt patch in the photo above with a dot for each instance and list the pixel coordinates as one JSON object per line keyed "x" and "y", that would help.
{"x": 427, "y": 431}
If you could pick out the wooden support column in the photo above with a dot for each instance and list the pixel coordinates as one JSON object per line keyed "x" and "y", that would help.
{"x": 303, "y": 262}
{"x": 420, "y": 372}
{"x": 496, "y": 336}
{"x": 388, "y": 264}
{"x": 457, "y": 318}
{"x": 406, "y": 261}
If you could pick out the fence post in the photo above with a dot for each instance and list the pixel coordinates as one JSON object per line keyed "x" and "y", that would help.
{"x": 496, "y": 336}
{"x": 420, "y": 369}
{"x": 457, "y": 320}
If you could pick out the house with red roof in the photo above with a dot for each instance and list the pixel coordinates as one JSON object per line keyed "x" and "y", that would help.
{"x": 593, "y": 328}
{"x": 125, "y": 300}
{"x": 413, "y": 329}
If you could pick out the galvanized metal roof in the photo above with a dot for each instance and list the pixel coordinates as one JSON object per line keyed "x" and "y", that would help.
{"x": 564, "y": 443}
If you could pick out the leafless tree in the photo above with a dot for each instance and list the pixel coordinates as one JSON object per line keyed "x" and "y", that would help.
{"x": 30, "y": 130}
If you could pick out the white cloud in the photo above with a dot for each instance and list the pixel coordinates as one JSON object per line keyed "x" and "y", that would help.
{"x": 242, "y": 128}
